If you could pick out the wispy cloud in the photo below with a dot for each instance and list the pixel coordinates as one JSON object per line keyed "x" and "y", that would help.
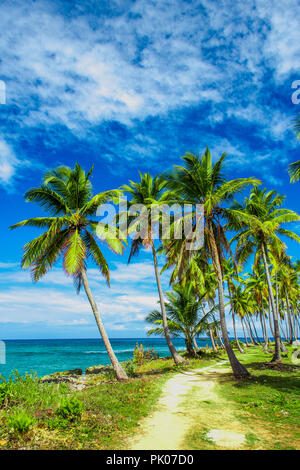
{"x": 130, "y": 62}
{"x": 53, "y": 301}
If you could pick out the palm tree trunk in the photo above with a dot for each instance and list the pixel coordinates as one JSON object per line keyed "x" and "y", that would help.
{"x": 292, "y": 312}
{"x": 189, "y": 346}
{"x": 277, "y": 353}
{"x": 233, "y": 321}
{"x": 262, "y": 327}
{"x": 264, "y": 330}
{"x": 212, "y": 340}
{"x": 255, "y": 331}
{"x": 218, "y": 336}
{"x": 247, "y": 330}
{"x": 235, "y": 335}
{"x": 119, "y": 371}
{"x": 195, "y": 344}
{"x": 220, "y": 339}
{"x": 250, "y": 331}
{"x": 283, "y": 333}
{"x": 266, "y": 337}
{"x": 292, "y": 333}
{"x": 298, "y": 323}
{"x": 238, "y": 369}
{"x": 270, "y": 320}
{"x": 245, "y": 336}
{"x": 177, "y": 358}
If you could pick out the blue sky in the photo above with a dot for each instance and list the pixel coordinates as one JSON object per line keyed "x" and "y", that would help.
{"x": 129, "y": 86}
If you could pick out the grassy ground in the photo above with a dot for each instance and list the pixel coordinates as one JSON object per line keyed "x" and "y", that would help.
{"x": 267, "y": 405}
{"x": 35, "y": 415}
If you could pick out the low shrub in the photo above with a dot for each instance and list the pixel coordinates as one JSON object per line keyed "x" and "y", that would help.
{"x": 70, "y": 408}
{"x": 140, "y": 354}
{"x": 130, "y": 368}
{"x": 5, "y": 392}
{"x": 20, "y": 422}
{"x": 208, "y": 353}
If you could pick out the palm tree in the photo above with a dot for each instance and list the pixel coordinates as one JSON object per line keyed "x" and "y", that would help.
{"x": 294, "y": 168}
{"x": 67, "y": 195}
{"x": 297, "y": 126}
{"x": 150, "y": 192}
{"x": 184, "y": 316}
{"x": 202, "y": 182}
{"x": 257, "y": 286}
{"x": 288, "y": 287}
{"x": 258, "y": 222}
{"x": 230, "y": 274}
{"x": 240, "y": 302}
{"x": 294, "y": 171}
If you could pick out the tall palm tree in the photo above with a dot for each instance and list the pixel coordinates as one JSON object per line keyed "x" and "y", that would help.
{"x": 288, "y": 287}
{"x": 148, "y": 192}
{"x": 257, "y": 286}
{"x": 230, "y": 274}
{"x": 258, "y": 221}
{"x": 240, "y": 302}
{"x": 67, "y": 195}
{"x": 184, "y": 316}
{"x": 294, "y": 168}
{"x": 200, "y": 181}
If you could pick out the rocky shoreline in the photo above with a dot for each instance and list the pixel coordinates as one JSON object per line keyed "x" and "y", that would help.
{"x": 76, "y": 379}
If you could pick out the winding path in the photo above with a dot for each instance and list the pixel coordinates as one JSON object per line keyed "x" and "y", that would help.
{"x": 167, "y": 426}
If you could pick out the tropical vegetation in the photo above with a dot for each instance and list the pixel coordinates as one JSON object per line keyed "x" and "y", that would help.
{"x": 207, "y": 278}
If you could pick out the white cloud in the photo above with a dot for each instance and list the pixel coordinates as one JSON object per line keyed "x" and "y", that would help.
{"x": 85, "y": 75}
{"x": 8, "y": 162}
{"x": 53, "y": 300}
{"x": 282, "y": 47}
{"x": 79, "y": 75}
{"x": 8, "y": 265}
{"x": 147, "y": 59}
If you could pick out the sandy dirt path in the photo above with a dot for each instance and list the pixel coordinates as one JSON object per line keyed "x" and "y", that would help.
{"x": 166, "y": 428}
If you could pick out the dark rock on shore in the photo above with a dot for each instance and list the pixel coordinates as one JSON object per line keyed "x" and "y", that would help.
{"x": 59, "y": 377}
{"x": 100, "y": 369}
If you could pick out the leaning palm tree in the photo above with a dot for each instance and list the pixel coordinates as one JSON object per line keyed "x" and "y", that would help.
{"x": 258, "y": 222}
{"x": 146, "y": 194}
{"x": 184, "y": 316}
{"x": 67, "y": 195}
{"x": 200, "y": 182}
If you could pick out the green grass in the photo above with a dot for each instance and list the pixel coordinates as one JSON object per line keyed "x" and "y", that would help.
{"x": 267, "y": 405}
{"x": 103, "y": 414}
{"x": 34, "y": 415}
{"x": 166, "y": 365}
{"x": 271, "y": 396}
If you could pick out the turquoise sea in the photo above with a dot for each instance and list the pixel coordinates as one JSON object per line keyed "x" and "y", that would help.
{"x": 45, "y": 356}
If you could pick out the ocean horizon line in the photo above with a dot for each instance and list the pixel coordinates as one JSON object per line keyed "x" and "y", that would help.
{"x": 204, "y": 338}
